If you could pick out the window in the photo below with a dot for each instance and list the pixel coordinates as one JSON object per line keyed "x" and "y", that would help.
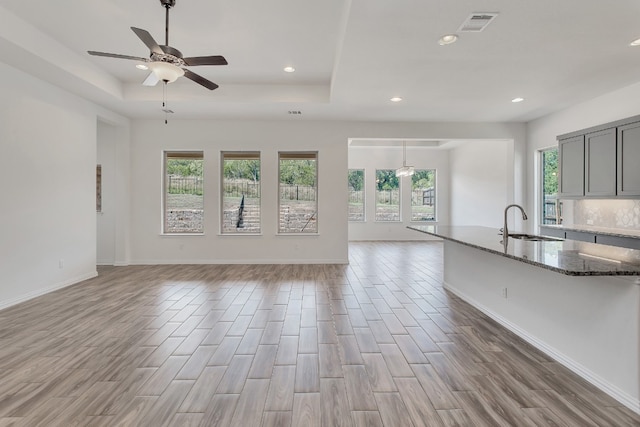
{"x": 387, "y": 195}
{"x": 356, "y": 194}
{"x": 298, "y": 192}
{"x": 183, "y": 192}
{"x": 551, "y": 206}
{"x": 423, "y": 195}
{"x": 240, "y": 192}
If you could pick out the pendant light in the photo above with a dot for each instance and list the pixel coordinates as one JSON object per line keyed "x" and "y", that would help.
{"x": 404, "y": 170}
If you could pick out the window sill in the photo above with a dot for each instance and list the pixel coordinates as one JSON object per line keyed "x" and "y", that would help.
{"x": 181, "y": 234}
{"x": 239, "y": 234}
{"x": 297, "y": 234}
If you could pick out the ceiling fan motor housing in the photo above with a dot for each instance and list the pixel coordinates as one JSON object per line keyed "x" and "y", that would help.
{"x": 168, "y": 3}
{"x": 171, "y": 55}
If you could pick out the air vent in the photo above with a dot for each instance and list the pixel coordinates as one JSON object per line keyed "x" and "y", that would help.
{"x": 476, "y": 22}
{"x": 295, "y": 112}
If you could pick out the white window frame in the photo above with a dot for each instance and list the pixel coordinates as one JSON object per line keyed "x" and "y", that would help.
{"x": 399, "y": 220}
{"x": 435, "y": 197}
{"x": 239, "y": 155}
{"x": 364, "y": 194}
{"x": 166, "y": 155}
{"x": 301, "y": 155}
{"x": 540, "y": 208}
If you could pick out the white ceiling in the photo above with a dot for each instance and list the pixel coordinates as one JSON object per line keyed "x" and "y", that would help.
{"x": 351, "y": 56}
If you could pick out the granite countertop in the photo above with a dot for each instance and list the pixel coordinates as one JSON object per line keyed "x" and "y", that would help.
{"x": 568, "y": 257}
{"x": 616, "y": 232}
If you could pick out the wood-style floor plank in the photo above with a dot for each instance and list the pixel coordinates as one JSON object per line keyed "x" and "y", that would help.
{"x": 375, "y": 343}
{"x": 306, "y": 410}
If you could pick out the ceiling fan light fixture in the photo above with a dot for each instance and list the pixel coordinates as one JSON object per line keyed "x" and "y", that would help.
{"x": 166, "y": 71}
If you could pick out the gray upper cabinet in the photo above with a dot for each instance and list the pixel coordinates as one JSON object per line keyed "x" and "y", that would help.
{"x": 571, "y": 156}
{"x": 600, "y": 163}
{"x": 629, "y": 160}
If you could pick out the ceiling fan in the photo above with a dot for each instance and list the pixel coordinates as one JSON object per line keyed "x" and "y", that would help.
{"x": 166, "y": 62}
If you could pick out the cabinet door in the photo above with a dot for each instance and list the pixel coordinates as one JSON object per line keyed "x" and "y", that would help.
{"x": 600, "y": 163}
{"x": 553, "y": 232}
{"x": 625, "y": 242}
{"x": 582, "y": 236}
{"x": 571, "y": 153}
{"x": 629, "y": 160}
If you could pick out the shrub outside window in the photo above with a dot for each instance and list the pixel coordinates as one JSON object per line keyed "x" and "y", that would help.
{"x": 356, "y": 194}
{"x": 387, "y": 195}
{"x": 240, "y": 192}
{"x": 183, "y": 192}
{"x": 298, "y": 192}
{"x": 550, "y": 204}
{"x": 423, "y": 195}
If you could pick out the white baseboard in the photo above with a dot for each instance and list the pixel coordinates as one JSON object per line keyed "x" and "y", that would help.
{"x": 237, "y": 261}
{"x": 45, "y": 290}
{"x": 613, "y": 391}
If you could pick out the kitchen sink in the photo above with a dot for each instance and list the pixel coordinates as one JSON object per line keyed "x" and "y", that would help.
{"x": 534, "y": 237}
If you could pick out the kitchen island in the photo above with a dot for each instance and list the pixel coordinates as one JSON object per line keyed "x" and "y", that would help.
{"x": 578, "y": 302}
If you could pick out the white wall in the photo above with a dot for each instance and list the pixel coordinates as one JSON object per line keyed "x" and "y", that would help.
{"x": 151, "y": 137}
{"x": 372, "y": 158}
{"x": 480, "y": 175}
{"x": 47, "y": 182}
{"x": 542, "y": 133}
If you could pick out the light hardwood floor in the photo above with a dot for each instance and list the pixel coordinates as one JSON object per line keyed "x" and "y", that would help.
{"x": 373, "y": 343}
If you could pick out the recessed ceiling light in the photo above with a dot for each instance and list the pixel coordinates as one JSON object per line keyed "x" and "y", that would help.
{"x": 395, "y": 99}
{"x": 518, "y": 99}
{"x": 636, "y": 42}
{"x": 447, "y": 39}
{"x": 142, "y": 67}
{"x": 289, "y": 69}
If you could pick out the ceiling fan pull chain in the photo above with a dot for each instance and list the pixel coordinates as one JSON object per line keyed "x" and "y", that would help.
{"x": 164, "y": 100}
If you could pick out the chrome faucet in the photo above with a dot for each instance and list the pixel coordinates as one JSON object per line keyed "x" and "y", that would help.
{"x": 505, "y": 230}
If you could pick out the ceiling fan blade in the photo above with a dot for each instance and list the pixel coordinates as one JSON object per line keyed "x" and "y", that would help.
{"x": 148, "y": 40}
{"x": 151, "y": 80}
{"x": 115, "y": 55}
{"x": 200, "y": 80}
{"x": 205, "y": 60}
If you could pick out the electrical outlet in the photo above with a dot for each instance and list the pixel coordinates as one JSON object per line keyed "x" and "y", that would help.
{"x": 504, "y": 293}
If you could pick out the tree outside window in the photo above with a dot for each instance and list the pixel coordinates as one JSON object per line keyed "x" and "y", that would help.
{"x": 551, "y": 206}
{"x": 387, "y": 195}
{"x": 423, "y": 195}
{"x": 356, "y": 194}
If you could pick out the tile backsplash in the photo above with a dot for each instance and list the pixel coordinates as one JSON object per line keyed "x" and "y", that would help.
{"x": 621, "y": 214}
